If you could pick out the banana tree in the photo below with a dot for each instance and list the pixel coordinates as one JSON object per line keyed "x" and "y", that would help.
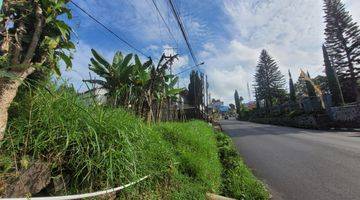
{"x": 33, "y": 38}
{"x": 116, "y": 77}
{"x": 140, "y": 79}
{"x": 171, "y": 92}
{"x": 153, "y": 90}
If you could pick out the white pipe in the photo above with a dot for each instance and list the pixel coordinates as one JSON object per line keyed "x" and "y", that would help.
{"x": 80, "y": 196}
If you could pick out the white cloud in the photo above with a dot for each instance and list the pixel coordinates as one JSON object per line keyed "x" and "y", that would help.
{"x": 229, "y": 68}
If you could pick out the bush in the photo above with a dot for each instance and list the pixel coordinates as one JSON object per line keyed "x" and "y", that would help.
{"x": 238, "y": 181}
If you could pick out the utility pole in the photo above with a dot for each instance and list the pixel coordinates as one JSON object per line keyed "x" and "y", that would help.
{"x": 168, "y": 100}
{"x": 207, "y": 92}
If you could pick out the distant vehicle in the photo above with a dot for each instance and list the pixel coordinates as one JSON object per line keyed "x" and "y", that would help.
{"x": 226, "y": 117}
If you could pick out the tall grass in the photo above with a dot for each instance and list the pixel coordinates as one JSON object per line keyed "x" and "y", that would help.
{"x": 238, "y": 180}
{"x": 194, "y": 146}
{"x": 95, "y": 147}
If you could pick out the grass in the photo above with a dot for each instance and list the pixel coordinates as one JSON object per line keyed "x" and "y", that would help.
{"x": 238, "y": 180}
{"x": 95, "y": 148}
{"x": 194, "y": 147}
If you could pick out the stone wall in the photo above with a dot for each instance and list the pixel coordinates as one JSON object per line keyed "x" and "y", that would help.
{"x": 303, "y": 121}
{"x": 349, "y": 115}
{"x": 335, "y": 117}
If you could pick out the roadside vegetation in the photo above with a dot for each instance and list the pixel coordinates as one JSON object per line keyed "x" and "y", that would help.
{"x": 57, "y": 141}
{"x": 237, "y": 180}
{"x": 92, "y": 147}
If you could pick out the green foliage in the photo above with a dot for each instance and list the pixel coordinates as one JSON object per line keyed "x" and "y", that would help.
{"x": 134, "y": 84}
{"x": 101, "y": 147}
{"x": 237, "y": 102}
{"x": 196, "y": 89}
{"x": 97, "y": 147}
{"x": 238, "y": 181}
{"x": 269, "y": 81}
{"x": 333, "y": 80}
{"x": 292, "y": 89}
{"x": 342, "y": 41}
{"x": 194, "y": 145}
{"x": 116, "y": 77}
{"x": 54, "y": 37}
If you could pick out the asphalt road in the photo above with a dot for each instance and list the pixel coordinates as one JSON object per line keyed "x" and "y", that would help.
{"x": 300, "y": 164}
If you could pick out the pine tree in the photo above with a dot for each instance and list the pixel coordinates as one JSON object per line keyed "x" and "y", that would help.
{"x": 292, "y": 89}
{"x": 257, "y": 98}
{"x": 342, "y": 42}
{"x": 333, "y": 80}
{"x": 237, "y": 102}
{"x": 269, "y": 81}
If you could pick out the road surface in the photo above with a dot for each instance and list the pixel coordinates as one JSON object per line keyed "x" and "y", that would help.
{"x": 300, "y": 164}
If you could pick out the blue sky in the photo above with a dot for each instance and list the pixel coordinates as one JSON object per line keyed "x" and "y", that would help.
{"x": 227, "y": 35}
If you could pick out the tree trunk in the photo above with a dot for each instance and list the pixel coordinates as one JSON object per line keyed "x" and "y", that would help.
{"x": 168, "y": 117}
{"x": 9, "y": 88}
{"x": 8, "y": 91}
{"x": 149, "y": 111}
{"x": 159, "y": 114}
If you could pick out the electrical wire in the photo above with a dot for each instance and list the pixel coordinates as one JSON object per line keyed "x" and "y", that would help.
{"x": 187, "y": 69}
{"x": 183, "y": 31}
{"x": 108, "y": 29}
{"x": 166, "y": 25}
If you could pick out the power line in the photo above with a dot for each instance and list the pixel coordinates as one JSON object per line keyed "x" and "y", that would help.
{"x": 109, "y": 30}
{"x": 162, "y": 18}
{"x": 182, "y": 29}
{"x": 185, "y": 70}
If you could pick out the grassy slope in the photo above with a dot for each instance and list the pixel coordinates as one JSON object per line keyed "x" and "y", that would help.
{"x": 99, "y": 148}
{"x": 194, "y": 147}
{"x": 238, "y": 181}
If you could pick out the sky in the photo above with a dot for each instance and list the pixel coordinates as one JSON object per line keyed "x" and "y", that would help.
{"x": 227, "y": 35}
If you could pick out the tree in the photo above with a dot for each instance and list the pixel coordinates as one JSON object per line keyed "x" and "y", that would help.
{"x": 196, "y": 91}
{"x": 36, "y": 41}
{"x": 136, "y": 85}
{"x": 269, "y": 81}
{"x": 333, "y": 81}
{"x": 342, "y": 42}
{"x": 116, "y": 76}
{"x": 237, "y": 102}
{"x": 292, "y": 89}
{"x": 257, "y": 98}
